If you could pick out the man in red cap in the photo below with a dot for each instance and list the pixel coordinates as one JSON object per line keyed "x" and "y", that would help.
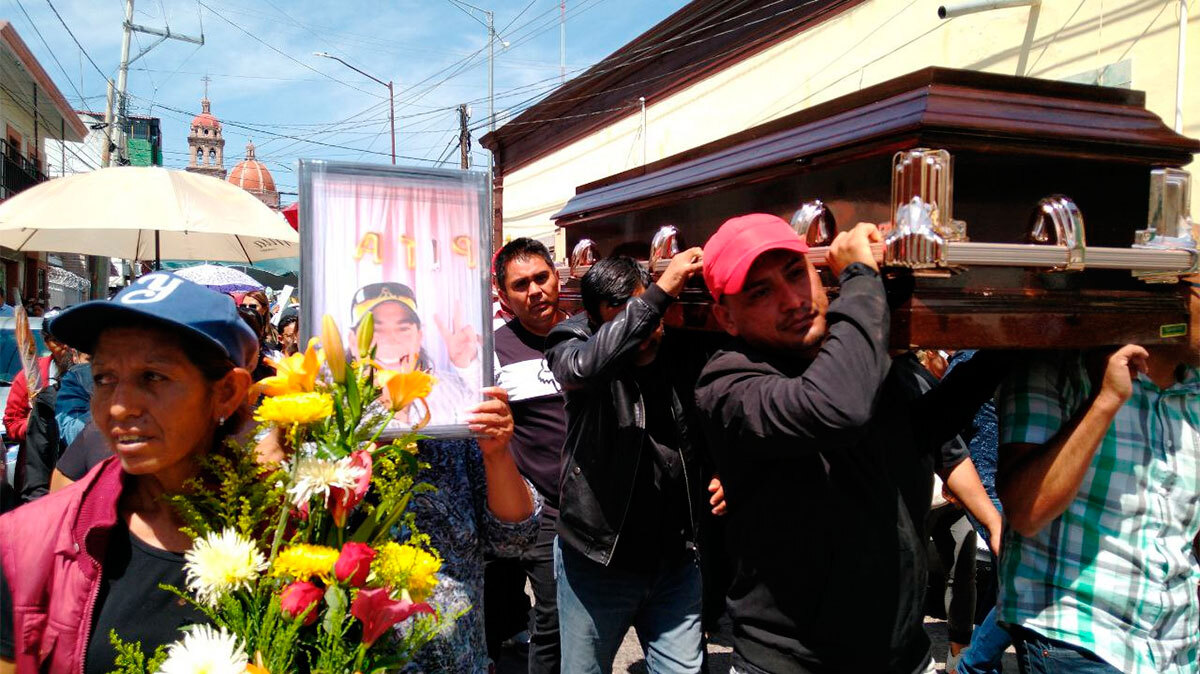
{"x": 826, "y": 453}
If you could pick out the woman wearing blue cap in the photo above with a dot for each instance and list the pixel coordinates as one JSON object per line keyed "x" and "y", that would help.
{"x": 169, "y": 363}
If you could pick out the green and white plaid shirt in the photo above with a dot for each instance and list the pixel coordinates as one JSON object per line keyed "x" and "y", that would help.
{"x": 1115, "y": 573}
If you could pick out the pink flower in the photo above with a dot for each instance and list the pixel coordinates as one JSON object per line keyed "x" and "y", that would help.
{"x": 379, "y": 612}
{"x": 297, "y": 597}
{"x": 342, "y": 501}
{"x": 354, "y": 564}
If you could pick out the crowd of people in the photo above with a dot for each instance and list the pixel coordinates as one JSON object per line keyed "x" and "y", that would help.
{"x": 797, "y": 476}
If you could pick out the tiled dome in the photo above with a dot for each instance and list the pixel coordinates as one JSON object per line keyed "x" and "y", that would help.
{"x": 251, "y": 175}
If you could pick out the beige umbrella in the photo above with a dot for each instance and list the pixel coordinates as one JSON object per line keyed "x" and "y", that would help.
{"x": 146, "y": 213}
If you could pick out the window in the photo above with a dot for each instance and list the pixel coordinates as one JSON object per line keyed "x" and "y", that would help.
{"x": 199, "y": 156}
{"x": 212, "y": 155}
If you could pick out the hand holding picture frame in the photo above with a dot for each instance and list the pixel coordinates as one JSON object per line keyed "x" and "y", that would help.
{"x": 410, "y": 247}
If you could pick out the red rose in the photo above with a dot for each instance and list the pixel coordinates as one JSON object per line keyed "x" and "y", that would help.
{"x": 378, "y": 612}
{"x": 354, "y": 564}
{"x": 297, "y": 597}
{"x": 342, "y": 501}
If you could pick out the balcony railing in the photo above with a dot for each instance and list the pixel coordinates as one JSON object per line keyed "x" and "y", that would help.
{"x": 17, "y": 172}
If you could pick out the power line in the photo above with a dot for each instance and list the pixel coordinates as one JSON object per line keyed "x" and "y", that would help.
{"x": 51, "y": 51}
{"x": 77, "y": 44}
{"x": 518, "y": 16}
{"x": 600, "y": 68}
{"x": 20, "y": 100}
{"x": 283, "y": 53}
{"x": 466, "y": 11}
{"x": 290, "y": 137}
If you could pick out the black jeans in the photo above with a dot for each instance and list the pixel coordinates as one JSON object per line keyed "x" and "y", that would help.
{"x": 506, "y": 606}
{"x": 954, "y": 547}
{"x": 538, "y": 562}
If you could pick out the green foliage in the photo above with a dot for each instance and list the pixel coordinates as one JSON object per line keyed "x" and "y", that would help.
{"x": 131, "y": 659}
{"x": 231, "y": 490}
{"x": 234, "y": 490}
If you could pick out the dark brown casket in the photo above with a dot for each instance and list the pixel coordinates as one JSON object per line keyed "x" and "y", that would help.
{"x": 1018, "y": 203}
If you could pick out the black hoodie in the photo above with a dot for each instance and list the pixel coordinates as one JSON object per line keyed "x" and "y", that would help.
{"x": 827, "y": 463}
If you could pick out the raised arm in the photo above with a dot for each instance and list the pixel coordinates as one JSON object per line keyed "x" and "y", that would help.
{"x": 834, "y": 396}
{"x": 1037, "y": 482}
{"x": 578, "y": 362}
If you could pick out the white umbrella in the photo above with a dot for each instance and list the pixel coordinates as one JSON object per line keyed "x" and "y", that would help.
{"x": 220, "y": 279}
{"x": 146, "y": 213}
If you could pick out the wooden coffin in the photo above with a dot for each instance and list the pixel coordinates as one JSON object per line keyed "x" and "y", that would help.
{"x": 1012, "y": 142}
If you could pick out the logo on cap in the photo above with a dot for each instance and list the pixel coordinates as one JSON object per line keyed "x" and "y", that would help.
{"x": 157, "y": 288}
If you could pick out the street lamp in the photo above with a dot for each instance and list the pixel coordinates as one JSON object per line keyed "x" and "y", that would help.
{"x": 391, "y": 96}
{"x": 491, "y": 29}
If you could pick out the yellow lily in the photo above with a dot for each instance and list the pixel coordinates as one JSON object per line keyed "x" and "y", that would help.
{"x": 296, "y": 373}
{"x": 335, "y": 353}
{"x": 402, "y": 389}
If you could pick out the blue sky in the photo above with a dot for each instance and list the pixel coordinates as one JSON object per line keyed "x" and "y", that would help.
{"x": 259, "y": 54}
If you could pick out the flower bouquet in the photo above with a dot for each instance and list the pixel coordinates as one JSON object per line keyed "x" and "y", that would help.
{"x": 296, "y": 563}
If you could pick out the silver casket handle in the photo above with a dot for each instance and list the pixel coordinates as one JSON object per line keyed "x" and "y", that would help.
{"x": 664, "y": 245}
{"x": 583, "y": 255}
{"x": 1058, "y": 213}
{"x": 814, "y": 223}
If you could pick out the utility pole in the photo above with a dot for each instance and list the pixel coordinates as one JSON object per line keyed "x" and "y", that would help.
{"x": 464, "y": 137}
{"x": 106, "y": 153}
{"x": 123, "y": 74}
{"x": 491, "y": 26}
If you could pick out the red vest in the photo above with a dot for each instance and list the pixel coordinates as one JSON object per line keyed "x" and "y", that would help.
{"x": 51, "y": 550}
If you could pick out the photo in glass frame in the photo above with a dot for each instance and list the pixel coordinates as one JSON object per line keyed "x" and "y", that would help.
{"x": 412, "y": 247}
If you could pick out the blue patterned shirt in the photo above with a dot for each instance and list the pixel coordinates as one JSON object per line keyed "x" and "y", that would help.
{"x": 457, "y": 519}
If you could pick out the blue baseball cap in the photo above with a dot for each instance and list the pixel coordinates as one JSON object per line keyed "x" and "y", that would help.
{"x": 168, "y": 301}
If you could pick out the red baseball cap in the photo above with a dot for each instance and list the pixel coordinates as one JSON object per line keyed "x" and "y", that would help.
{"x": 730, "y": 252}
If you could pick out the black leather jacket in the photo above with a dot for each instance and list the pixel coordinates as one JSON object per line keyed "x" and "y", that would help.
{"x": 606, "y": 424}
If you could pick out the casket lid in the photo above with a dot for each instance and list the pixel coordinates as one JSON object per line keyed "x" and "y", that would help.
{"x": 957, "y": 110}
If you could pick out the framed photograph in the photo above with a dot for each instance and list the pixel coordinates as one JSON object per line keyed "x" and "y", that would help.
{"x": 412, "y": 247}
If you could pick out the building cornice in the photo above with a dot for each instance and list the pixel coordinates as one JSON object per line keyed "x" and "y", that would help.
{"x": 19, "y": 49}
{"x": 701, "y": 39}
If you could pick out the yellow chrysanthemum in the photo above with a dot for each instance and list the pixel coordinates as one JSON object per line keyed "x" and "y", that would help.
{"x": 407, "y": 567}
{"x": 295, "y": 408}
{"x": 403, "y": 388}
{"x": 296, "y": 373}
{"x": 302, "y": 562}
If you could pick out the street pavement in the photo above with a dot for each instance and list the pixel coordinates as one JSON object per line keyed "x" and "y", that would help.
{"x": 631, "y": 661}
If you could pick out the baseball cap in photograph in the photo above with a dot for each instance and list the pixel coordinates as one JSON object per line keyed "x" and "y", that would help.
{"x": 170, "y": 302}
{"x": 370, "y": 296}
{"x": 732, "y": 250}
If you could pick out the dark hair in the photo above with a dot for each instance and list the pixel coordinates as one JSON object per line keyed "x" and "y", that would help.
{"x": 518, "y": 249}
{"x": 611, "y": 281}
{"x": 250, "y": 317}
{"x": 287, "y": 320}
{"x": 260, "y": 297}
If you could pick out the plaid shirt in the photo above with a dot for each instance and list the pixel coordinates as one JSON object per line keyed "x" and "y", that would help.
{"x": 1115, "y": 573}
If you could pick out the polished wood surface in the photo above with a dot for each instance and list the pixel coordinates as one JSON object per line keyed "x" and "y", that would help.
{"x": 1013, "y": 142}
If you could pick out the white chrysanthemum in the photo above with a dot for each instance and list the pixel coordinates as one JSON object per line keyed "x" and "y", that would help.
{"x": 205, "y": 650}
{"x": 315, "y": 476}
{"x": 221, "y": 563}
